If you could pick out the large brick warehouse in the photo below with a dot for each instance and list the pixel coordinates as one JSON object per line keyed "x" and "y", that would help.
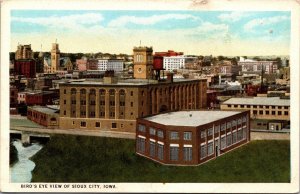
{"x": 191, "y": 137}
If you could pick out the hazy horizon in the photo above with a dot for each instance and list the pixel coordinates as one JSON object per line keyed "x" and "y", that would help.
{"x": 226, "y": 33}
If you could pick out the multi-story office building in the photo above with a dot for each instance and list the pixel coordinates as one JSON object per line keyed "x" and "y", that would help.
{"x": 113, "y": 105}
{"x": 270, "y": 113}
{"x": 24, "y": 52}
{"x": 26, "y": 67}
{"x": 191, "y": 137}
{"x": 174, "y": 62}
{"x": 268, "y": 67}
{"x": 110, "y": 64}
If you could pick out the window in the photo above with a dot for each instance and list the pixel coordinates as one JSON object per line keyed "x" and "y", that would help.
{"x": 255, "y": 112}
{"x": 210, "y": 149}
{"x": 229, "y": 105}
{"x": 160, "y": 151}
{"x": 242, "y": 106}
{"x": 267, "y": 112}
{"x": 65, "y": 91}
{"x": 174, "y": 153}
{"x": 273, "y": 112}
{"x": 131, "y": 104}
{"x": 217, "y": 129}
{"x": 142, "y": 128}
{"x": 83, "y": 124}
{"x": 228, "y": 125}
{"x": 235, "y": 106}
{"x": 203, "y": 153}
{"x": 239, "y": 135}
{"x": 261, "y": 112}
{"x": 152, "y": 131}
{"x": 92, "y": 102}
{"x": 187, "y": 153}
{"x": 73, "y": 101}
{"x": 122, "y": 103}
{"x": 152, "y": 149}
{"x": 254, "y": 106}
{"x": 97, "y": 124}
{"x": 141, "y": 144}
{"x": 273, "y": 107}
{"x": 65, "y": 112}
{"x": 267, "y": 106}
{"x": 234, "y": 137}
{"x": 160, "y": 133}
{"x": 82, "y": 102}
{"x": 210, "y": 131}
{"x": 223, "y": 127}
{"x": 244, "y": 133}
{"x": 279, "y": 112}
{"x": 286, "y": 113}
{"x": 92, "y": 114}
{"x": 113, "y": 125}
{"x": 65, "y": 102}
{"x": 203, "y": 134}
{"x": 228, "y": 140}
{"x": 174, "y": 135}
{"x": 223, "y": 142}
{"x": 248, "y": 106}
{"x": 131, "y": 93}
{"x": 187, "y": 135}
{"x": 286, "y": 107}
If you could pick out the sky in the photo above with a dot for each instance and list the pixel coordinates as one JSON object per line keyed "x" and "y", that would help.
{"x": 227, "y": 33}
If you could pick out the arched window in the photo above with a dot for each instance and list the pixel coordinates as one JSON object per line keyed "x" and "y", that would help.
{"x": 82, "y": 91}
{"x": 73, "y": 91}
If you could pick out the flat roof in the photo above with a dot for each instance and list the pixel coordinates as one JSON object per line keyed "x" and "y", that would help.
{"x": 130, "y": 82}
{"x": 44, "y": 109}
{"x": 269, "y": 101}
{"x": 190, "y": 118}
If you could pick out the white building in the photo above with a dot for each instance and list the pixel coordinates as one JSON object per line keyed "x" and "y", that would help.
{"x": 110, "y": 64}
{"x": 174, "y": 62}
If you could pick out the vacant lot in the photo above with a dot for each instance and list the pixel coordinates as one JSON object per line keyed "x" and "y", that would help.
{"x": 67, "y": 158}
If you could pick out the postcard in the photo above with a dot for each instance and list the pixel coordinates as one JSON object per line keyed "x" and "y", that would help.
{"x": 150, "y": 96}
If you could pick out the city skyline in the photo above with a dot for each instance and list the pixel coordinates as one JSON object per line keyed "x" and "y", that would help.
{"x": 193, "y": 32}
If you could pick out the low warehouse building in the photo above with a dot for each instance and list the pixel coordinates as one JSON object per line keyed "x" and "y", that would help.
{"x": 191, "y": 137}
{"x": 46, "y": 116}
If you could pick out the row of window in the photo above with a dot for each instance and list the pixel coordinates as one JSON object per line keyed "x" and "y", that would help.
{"x": 257, "y": 106}
{"x": 97, "y": 124}
{"x": 156, "y": 150}
{"x": 261, "y": 112}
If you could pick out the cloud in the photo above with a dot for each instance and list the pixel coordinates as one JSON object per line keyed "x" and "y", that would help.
{"x": 124, "y": 20}
{"x": 71, "y": 22}
{"x": 264, "y": 22}
{"x": 232, "y": 17}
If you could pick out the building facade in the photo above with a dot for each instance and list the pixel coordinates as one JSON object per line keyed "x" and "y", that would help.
{"x": 111, "y": 64}
{"x": 191, "y": 137}
{"x": 113, "y": 105}
{"x": 143, "y": 62}
{"x": 24, "y": 52}
{"x": 269, "y": 113}
{"x": 268, "y": 67}
{"x": 45, "y": 116}
{"x": 26, "y": 67}
{"x": 174, "y": 62}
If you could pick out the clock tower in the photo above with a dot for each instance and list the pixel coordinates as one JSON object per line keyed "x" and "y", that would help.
{"x": 142, "y": 62}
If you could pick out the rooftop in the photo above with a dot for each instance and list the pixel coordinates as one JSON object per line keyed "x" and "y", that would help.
{"x": 130, "y": 82}
{"x": 44, "y": 109}
{"x": 190, "y": 118}
{"x": 271, "y": 101}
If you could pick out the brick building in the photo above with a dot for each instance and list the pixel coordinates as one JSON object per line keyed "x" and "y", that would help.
{"x": 40, "y": 98}
{"x": 45, "y": 116}
{"x": 24, "y": 52}
{"x": 269, "y": 113}
{"x": 115, "y": 105}
{"x": 26, "y": 67}
{"x": 191, "y": 137}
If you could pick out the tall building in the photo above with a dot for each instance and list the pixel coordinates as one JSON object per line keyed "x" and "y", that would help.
{"x": 115, "y": 105}
{"x": 24, "y": 52}
{"x": 110, "y": 64}
{"x": 143, "y": 62}
{"x": 55, "y": 56}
